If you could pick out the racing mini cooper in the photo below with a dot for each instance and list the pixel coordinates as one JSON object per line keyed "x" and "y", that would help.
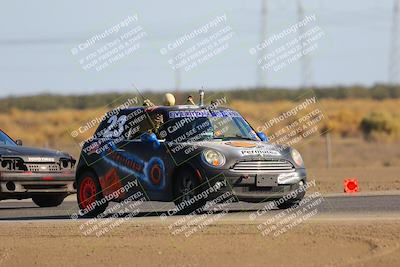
{"x": 188, "y": 154}
{"x": 46, "y": 176}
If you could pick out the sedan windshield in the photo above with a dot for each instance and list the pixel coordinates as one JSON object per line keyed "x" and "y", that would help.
{"x": 5, "y": 140}
{"x": 205, "y": 125}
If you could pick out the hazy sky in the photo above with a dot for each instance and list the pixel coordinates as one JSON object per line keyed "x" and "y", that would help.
{"x": 36, "y": 39}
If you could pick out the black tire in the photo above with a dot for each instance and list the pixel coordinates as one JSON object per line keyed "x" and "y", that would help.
{"x": 48, "y": 200}
{"x": 85, "y": 197}
{"x": 292, "y": 202}
{"x": 186, "y": 186}
{"x": 288, "y": 204}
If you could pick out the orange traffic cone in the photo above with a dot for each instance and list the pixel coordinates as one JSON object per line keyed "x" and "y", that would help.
{"x": 350, "y": 185}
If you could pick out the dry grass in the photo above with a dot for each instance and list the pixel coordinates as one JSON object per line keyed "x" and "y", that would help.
{"x": 48, "y": 129}
{"x": 342, "y": 117}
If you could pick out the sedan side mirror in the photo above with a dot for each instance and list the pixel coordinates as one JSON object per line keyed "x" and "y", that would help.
{"x": 18, "y": 142}
{"x": 262, "y": 136}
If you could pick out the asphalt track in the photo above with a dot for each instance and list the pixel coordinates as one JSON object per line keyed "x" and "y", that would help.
{"x": 332, "y": 205}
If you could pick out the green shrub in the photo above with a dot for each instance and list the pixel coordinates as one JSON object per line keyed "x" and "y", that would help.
{"x": 379, "y": 125}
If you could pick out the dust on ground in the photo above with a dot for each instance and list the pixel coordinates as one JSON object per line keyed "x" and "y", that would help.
{"x": 340, "y": 241}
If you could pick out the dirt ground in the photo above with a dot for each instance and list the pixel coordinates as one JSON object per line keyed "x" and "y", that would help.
{"x": 376, "y": 179}
{"x": 332, "y": 242}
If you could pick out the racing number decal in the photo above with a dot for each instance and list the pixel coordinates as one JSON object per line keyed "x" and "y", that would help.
{"x": 116, "y": 127}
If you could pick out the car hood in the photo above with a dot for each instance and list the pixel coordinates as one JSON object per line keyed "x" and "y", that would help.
{"x": 237, "y": 150}
{"x": 246, "y": 148}
{"x": 32, "y": 154}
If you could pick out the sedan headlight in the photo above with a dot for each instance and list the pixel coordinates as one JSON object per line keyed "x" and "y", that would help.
{"x": 213, "y": 158}
{"x": 296, "y": 157}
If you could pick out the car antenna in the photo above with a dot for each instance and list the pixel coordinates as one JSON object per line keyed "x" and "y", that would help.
{"x": 201, "y": 94}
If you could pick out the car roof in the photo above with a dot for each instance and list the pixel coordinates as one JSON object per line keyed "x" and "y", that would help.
{"x": 175, "y": 108}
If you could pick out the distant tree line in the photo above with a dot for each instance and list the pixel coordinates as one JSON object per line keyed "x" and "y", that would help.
{"x": 45, "y": 102}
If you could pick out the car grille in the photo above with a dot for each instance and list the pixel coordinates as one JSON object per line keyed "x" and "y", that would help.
{"x": 278, "y": 166}
{"x": 43, "y": 167}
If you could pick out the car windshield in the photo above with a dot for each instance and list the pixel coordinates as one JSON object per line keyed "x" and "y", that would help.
{"x": 5, "y": 140}
{"x": 205, "y": 125}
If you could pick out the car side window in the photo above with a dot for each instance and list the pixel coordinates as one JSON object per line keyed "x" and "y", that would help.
{"x": 137, "y": 124}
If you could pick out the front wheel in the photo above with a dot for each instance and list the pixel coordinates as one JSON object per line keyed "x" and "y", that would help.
{"x": 291, "y": 202}
{"x": 48, "y": 200}
{"x": 90, "y": 196}
{"x": 187, "y": 192}
{"x": 288, "y": 204}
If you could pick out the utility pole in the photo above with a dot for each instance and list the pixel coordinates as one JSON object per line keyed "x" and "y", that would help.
{"x": 328, "y": 144}
{"x": 305, "y": 61}
{"x": 177, "y": 74}
{"x": 261, "y": 81}
{"x": 394, "y": 65}
{"x": 177, "y": 78}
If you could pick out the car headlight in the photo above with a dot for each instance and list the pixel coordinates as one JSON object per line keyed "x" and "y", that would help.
{"x": 213, "y": 157}
{"x": 296, "y": 157}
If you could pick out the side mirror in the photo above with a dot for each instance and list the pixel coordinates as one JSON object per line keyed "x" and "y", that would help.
{"x": 262, "y": 136}
{"x": 150, "y": 138}
{"x": 18, "y": 142}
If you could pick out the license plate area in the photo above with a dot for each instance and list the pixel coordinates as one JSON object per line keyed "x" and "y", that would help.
{"x": 266, "y": 180}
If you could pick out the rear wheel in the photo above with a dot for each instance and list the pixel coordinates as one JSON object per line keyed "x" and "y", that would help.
{"x": 90, "y": 196}
{"x": 186, "y": 187}
{"x": 48, "y": 200}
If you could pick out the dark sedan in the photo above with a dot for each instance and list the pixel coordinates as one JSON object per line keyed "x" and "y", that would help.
{"x": 46, "y": 176}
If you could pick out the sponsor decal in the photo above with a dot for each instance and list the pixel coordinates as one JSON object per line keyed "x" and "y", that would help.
{"x": 241, "y": 144}
{"x": 204, "y": 113}
{"x": 152, "y": 173}
{"x": 112, "y": 183}
{"x": 40, "y": 159}
{"x": 261, "y": 152}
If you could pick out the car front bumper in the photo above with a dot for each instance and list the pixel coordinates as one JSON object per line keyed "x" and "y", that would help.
{"x": 244, "y": 185}
{"x": 23, "y": 184}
